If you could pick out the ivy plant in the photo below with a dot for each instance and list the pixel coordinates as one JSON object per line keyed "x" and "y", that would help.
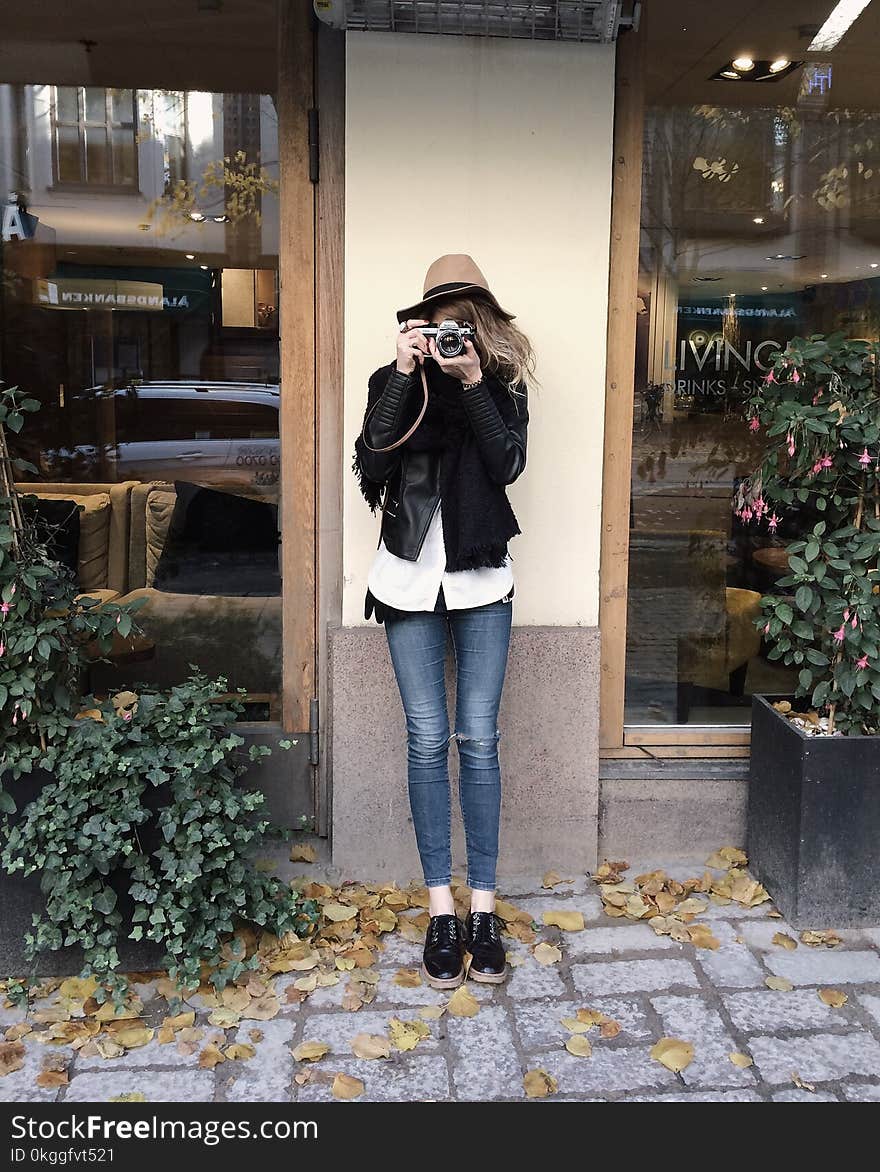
{"x": 819, "y": 410}
{"x": 48, "y": 631}
{"x": 144, "y": 832}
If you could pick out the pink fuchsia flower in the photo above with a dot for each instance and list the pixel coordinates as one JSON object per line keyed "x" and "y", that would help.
{"x": 770, "y": 377}
{"x": 2, "y": 648}
{"x": 754, "y": 423}
{"x": 854, "y": 621}
{"x": 796, "y": 378}
{"x": 5, "y": 608}
{"x": 790, "y": 439}
{"x": 862, "y": 663}
{"x": 840, "y": 635}
{"x": 772, "y": 522}
{"x": 126, "y": 716}
{"x": 827, "y": 462}
{"x": 864, "y": 459}
{"x": 760, "y": 507}
{"x": 766, "y": 628}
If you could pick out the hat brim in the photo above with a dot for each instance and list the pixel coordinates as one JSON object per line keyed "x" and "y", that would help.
{"x": 449, "y": 293}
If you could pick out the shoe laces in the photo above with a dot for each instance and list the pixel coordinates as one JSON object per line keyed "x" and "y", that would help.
{"x": 490, "y": 920}
{"x": 451, "y": 923}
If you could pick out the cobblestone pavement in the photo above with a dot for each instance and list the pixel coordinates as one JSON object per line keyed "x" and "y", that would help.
{"x": 652, "y": 986}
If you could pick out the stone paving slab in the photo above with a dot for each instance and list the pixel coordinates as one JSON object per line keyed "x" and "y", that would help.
{"x": 817, "y": 1058}
{"x": 651, "y": 985}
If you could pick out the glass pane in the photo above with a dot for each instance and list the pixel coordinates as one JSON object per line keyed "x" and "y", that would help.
{"x": 66, "y": 109}
{"x": 123, "y": 156}
{"x": 122, "y": 106}
{"x": 69, "y": 157}
{"x": 143, "y": 383}
{"x": 96, "y": 104}
{"x": 758, "y": 224}
{"x": 97, "y": 156}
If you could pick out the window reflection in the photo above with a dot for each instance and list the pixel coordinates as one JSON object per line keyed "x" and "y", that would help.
{"x": 758, "y": 224}
{"x": 143, "y": 314}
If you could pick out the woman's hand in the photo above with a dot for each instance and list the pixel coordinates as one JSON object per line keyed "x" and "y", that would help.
{"x": 465, "y": 366}
{"x": 412, "y": 346}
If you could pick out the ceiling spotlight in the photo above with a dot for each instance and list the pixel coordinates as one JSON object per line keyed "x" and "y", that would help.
{"x": 197, "y": 217}
{"x": 190, "y": 255}
{"x": 764, "y": 288}
{"x": 729, "y": 73}
{"x": 874, "y": 265}
{"x": 203, "y": 266}
{"x": 743, "y": 64}
{"x": 220, "y": 219}
{"x": 779, "y": 64}
{"x": 824, "y": 276}
{"x": 758, "y": 220}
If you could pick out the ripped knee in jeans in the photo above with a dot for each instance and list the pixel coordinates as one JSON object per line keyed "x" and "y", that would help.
{"x": 482, "y": 742}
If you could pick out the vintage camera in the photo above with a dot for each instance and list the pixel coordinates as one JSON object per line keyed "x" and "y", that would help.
{"x": 449, "y": 336}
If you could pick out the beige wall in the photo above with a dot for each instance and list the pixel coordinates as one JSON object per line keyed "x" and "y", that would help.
{"x": 520, "y": 178}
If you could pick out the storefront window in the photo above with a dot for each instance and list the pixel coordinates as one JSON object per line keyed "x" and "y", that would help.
{"x": 143, "y": 314}
{"x": 759, "y": 223}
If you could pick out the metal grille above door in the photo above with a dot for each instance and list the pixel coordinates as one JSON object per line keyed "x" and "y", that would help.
{"x": 598, "y": 21}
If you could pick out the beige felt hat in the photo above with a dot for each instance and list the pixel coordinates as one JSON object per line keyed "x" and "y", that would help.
{"x": 448, "y": 276}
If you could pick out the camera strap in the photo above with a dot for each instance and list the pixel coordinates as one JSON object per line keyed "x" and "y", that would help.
{"x": 403, "y": 439}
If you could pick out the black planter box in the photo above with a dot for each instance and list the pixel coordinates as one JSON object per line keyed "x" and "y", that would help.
{"x": 813, "y": 836}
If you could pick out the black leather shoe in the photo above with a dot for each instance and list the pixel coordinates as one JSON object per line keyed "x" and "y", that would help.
{"x": 443, "y": 962}
{"x": 483, "y": 942}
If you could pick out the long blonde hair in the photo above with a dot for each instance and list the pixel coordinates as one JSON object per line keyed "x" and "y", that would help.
{"x": 504, "y": 349}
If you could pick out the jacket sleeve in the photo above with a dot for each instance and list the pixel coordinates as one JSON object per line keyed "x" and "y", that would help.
{"x": 388, "y": 395}
{"x": 502, "y": 442}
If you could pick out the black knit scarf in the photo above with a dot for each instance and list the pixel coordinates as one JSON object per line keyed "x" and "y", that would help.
{"x": 477, "y": 518}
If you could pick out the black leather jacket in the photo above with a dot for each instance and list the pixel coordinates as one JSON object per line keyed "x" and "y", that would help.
{"x": 412, "y": 478}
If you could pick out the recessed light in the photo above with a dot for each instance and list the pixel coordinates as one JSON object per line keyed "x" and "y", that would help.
{"x": 779, "y": 64}
{"x": 197, "y": 217}
{"x": 824, "y": 276}
{"x": 764, "y": 288}
{"x": 729, "y": 73}
{"x": 743, "y": 64}
{"x": 758, "y": 220}
{"x": 190, "y": 255}
{"x": 874, "y": 265}
{"x": 203, "y": 266}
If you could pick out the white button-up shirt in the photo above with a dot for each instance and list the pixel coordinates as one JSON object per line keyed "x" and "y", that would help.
{"x": 408, "y": 585}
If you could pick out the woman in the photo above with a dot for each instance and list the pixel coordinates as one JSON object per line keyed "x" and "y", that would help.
{"x": 442, "y": 563}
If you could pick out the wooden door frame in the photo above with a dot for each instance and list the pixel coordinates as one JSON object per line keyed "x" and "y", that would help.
{"x": 296, "y": 264}
{"x": 626, "y": 207}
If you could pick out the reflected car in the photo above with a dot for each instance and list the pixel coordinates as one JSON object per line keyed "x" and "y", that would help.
{"x": 217, "y": 433}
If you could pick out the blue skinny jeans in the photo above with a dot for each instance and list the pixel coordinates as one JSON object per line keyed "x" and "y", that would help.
{"x": 481, "y": 639}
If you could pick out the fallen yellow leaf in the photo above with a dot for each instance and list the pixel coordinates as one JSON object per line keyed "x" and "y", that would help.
{"x": 538, "y": 1084}
{"x": 578, "y": 1045}
{"x": 576, "y": 1027}
{"x": 211, "y": 1056}
{"x": 551, "y": 879}
{"x": 783, "y": 940}
{"x": 407, "y": 978}
{"x": 239, "y": 1052}
{"x": 801, "y": 1084}
{"x": 546, "y": 954}
{"x": 824, "y": 939}
{"x": 78, "y": 988}
{"x": 345, "y": 1086}
{"x": 431, "y": 1012}
{"x": 780, "y": 984}
{"x": 700, "y": 936}
{"x": 52, "y": 1078}
{"x": 370, "y": 1046}
{"x": 223, "y": 1018}
{"x": 740, "y": 1060}
{"x": 673, "y": 1053}
{"x": 833, "y": 997}
{"x": 310, "y": 1051}
{"x": 303, "y": 853}
{"x": 134, "y": 1037}
{"x": 462, "y": 1003}
{"x": 404, "y": 1034}
{"x": 567, "y": 921}
{"x": 337, "y": 912}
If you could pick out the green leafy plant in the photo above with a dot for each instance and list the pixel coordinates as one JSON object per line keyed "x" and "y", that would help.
{"x": 820, "y": 412}
{"x": 144, "y": 832}
{"x": 48, "y": 632}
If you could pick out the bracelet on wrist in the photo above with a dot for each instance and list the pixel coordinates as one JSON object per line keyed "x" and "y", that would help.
{"x": 470, "y": 386}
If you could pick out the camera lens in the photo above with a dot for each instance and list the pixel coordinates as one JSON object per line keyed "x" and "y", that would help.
{"x": 449, "y": 344}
